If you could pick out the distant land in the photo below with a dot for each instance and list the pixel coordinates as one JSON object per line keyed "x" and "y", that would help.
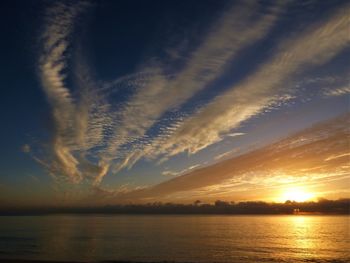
{"x": 49, "y": 261}
{"x": 108, "y": 261}
{"x": 322, "y": 206}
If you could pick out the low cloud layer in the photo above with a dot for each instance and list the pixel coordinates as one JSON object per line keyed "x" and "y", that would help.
{"x": 314, "y": 156}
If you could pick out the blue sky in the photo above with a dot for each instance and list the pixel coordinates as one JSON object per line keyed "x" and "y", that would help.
{"x": 123, "y": 95}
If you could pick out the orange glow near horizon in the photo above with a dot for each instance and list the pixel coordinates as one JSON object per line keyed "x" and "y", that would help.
{"x": 298, "y": 194}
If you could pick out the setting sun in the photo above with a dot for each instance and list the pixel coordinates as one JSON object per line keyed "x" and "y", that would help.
{"x": 297, "y": 194}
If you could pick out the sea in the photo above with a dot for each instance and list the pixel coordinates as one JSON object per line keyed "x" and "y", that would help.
{"x": 176, "y": 238}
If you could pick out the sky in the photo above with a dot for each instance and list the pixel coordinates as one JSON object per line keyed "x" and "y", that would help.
{"x": 140, "y": 101}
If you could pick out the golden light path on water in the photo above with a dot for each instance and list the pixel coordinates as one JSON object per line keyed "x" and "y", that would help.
{"x": 180, "y": 238}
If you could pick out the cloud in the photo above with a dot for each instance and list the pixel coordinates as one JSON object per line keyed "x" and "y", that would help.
{"x": 26, "y": 148}
{"x": 235, "y": 30}
{"x": 178, "y": 173}
{"x": 226, "y": 154}
{"x": 337, "y": 156}
{"x": 234, "y": 134}
{"x": 337, "y": 91}
{"x": 263, "y": 89}
{"x": 51, "y": 64}
{"x": 77, "y": 122}
{"x": 170, "y": 173}
{"x": 92, "y": 135}
{"x": 313, "y": 155}
{"x": 87, "y": 127}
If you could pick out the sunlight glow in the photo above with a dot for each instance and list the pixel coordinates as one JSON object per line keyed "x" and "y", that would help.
{"x": 297, "y": 194}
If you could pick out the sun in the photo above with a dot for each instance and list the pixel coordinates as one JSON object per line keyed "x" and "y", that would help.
{"x": 297, "y": 194}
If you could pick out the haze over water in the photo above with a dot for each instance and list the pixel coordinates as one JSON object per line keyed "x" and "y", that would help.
{"x": 179, "y": 238}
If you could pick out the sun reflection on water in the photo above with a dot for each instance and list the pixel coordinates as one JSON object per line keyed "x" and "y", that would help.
{"x": 303, "y": 234}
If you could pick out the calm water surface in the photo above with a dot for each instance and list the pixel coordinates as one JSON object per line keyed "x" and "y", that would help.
{"x": 177, "y": 238}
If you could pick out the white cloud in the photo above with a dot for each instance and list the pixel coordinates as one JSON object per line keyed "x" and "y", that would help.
{"x": 234, "y": 31}
{"x": 235, "y": 134}
{"x": 86, "y": 121}
{"x": 178, "y": 173}
{"x": 52, "y": 63}
{"x": 77, "y": 123}
{"x": 263, "y": 89}
{"x": 227, "y": 154}
{"x": 337, "y": 91}
{"x": 87, "y": 126}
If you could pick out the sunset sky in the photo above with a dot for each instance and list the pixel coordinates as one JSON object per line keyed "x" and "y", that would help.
{"x": 139, "y": 101}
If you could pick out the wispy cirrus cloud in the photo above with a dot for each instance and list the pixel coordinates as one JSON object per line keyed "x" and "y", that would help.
{"x": 92, "y": 134}
{"x": 226, "y": 154}
{"x": 238, "y": 28}
{"x": 337, "y": 91}
{"x": 86, "y": 120}
{"x": 263, "y": 89}
{"x": 52, "y": 63}
{"x": 79, "y": 119}
{"x": 178, "y": 173}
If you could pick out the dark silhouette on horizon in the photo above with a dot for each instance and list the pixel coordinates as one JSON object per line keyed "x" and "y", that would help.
{"x": 323, "y": 206}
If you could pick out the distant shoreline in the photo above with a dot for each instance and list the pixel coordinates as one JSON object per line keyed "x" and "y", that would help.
{"x": 322, "y": 207}
{"x": 169, "y": 214}
{"x": 110, "y": 261}
{"x": 104, "y": 261}
{"x": 43, "y": 261}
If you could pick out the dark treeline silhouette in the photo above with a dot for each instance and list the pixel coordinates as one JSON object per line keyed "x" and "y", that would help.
{"x": 323, "y": 206}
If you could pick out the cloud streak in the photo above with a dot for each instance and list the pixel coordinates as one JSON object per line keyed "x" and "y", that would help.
{"x": 79, "y": 119}
{"x": 316, "y": 154}
{"x": 263, "y": 89}
{"x": 52, "y": 63}
{"x": 92, "y": 135}
{"x": 178, "y": 173}
{"x": 236, "y": 29}
{"x": 337, "y": 91}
